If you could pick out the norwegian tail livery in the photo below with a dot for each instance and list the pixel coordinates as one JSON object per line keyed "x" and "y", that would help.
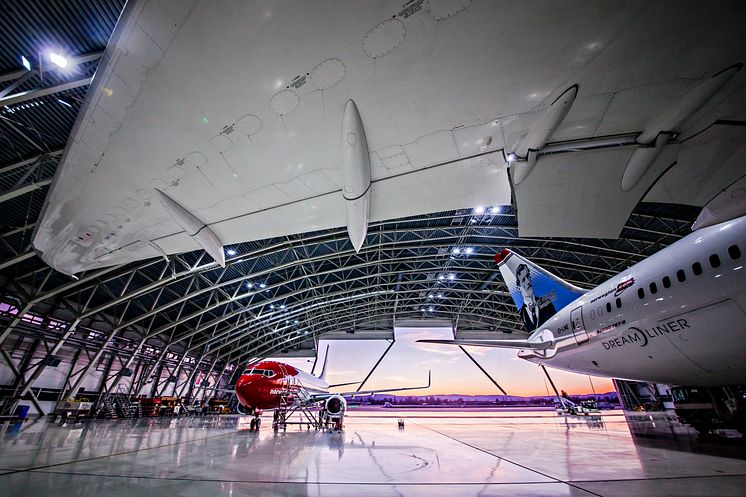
{"x": 537, "y": 294}
{"x": 678, "y": 317}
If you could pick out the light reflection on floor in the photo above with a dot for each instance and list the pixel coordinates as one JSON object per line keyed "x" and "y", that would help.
{"x": 439, "y": 452}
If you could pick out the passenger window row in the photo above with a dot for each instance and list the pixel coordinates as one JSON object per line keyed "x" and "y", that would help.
{"x": 617, "y": 303}
{"x": 734, "y": 252}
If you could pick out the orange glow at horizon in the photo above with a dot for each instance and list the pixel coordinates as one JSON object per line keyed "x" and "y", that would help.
{"x": 408, "y": 362}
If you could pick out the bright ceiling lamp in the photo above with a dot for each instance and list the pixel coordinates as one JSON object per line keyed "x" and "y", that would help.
{"x": 57, "y": 59}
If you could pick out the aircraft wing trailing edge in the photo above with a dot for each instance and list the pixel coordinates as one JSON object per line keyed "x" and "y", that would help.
{"x": 502, "y": 344}
{"x": 320, "y": 397}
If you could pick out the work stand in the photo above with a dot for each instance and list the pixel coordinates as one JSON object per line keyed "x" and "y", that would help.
{"x": 291, "y": 404}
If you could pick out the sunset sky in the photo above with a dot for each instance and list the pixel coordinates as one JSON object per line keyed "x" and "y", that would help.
{"x": 407, "y": 364}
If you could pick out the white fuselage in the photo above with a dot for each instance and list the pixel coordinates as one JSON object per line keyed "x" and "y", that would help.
{"x": 310, "y": 384}
{"x": 690, "y": 332}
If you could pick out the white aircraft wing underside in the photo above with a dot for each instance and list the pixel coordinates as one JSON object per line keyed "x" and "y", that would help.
{"x": 577, "y": 194}
{"x": 234, "y": 109}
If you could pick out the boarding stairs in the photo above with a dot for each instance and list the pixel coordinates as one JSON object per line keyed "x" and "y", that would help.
{"x": 118, "y": 405}
{"x": 292, "y": 402}
{"x": 106, "y": 408}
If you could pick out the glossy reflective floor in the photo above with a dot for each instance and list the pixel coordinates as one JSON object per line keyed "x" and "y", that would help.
{"x": 438, "y": 453}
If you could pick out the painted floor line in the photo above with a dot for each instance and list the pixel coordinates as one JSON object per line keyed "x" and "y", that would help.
{"x": 559, "y": 480}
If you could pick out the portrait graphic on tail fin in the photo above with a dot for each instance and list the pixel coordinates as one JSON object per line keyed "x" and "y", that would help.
{"x": 535, "y": 309}
{"x": 537, "y": 294}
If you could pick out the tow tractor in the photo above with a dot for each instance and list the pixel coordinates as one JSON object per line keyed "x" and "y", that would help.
{"x": 586, "y": 408}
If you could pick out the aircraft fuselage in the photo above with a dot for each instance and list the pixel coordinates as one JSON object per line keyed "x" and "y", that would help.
{"x": 677, "y": 317}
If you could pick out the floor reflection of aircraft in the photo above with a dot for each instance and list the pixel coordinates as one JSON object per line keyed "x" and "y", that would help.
{"x": 315, "y": 458}
{"x": 594, "y": 422}
{"x": 279, "y": 386}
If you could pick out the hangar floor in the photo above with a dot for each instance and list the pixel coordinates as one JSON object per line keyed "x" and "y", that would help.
{"x": 438, "y": 453}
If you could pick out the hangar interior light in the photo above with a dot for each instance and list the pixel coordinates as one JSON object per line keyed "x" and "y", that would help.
{"x": 57, "y": 59}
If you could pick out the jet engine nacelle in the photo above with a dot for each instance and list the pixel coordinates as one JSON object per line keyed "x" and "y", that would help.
{"x": 335, "y": 406}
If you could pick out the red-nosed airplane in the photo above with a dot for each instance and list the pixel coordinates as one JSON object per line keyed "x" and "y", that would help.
{"x": 276, "y": 385}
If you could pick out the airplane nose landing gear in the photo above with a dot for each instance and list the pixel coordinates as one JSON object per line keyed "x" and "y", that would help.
{"x": 256, "y": 421}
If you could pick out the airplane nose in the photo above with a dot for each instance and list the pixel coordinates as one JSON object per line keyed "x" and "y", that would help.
{"x": 244, "y": 391}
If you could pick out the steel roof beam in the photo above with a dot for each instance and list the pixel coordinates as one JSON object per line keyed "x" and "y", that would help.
{"x": 17, "y": 258}
{"x": 20, "y": 229}
{"x": 25, "y": 96}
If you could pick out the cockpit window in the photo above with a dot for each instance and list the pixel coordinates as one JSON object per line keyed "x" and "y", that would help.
{"x": 264, "y": 372}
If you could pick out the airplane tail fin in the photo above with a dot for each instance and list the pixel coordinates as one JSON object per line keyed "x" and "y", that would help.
{"x": 323, "y": 367}
{"x": 537, "y": 293}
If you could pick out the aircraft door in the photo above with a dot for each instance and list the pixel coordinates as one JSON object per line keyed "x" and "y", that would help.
{"x": 577, "y": 325}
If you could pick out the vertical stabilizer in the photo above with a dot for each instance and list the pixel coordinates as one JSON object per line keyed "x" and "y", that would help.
{"x": 323, "y": 367}
{"x": 537, "y": 293}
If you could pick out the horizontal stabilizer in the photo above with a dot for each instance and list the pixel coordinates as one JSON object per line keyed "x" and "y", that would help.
{"x": 503, "y": 344}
